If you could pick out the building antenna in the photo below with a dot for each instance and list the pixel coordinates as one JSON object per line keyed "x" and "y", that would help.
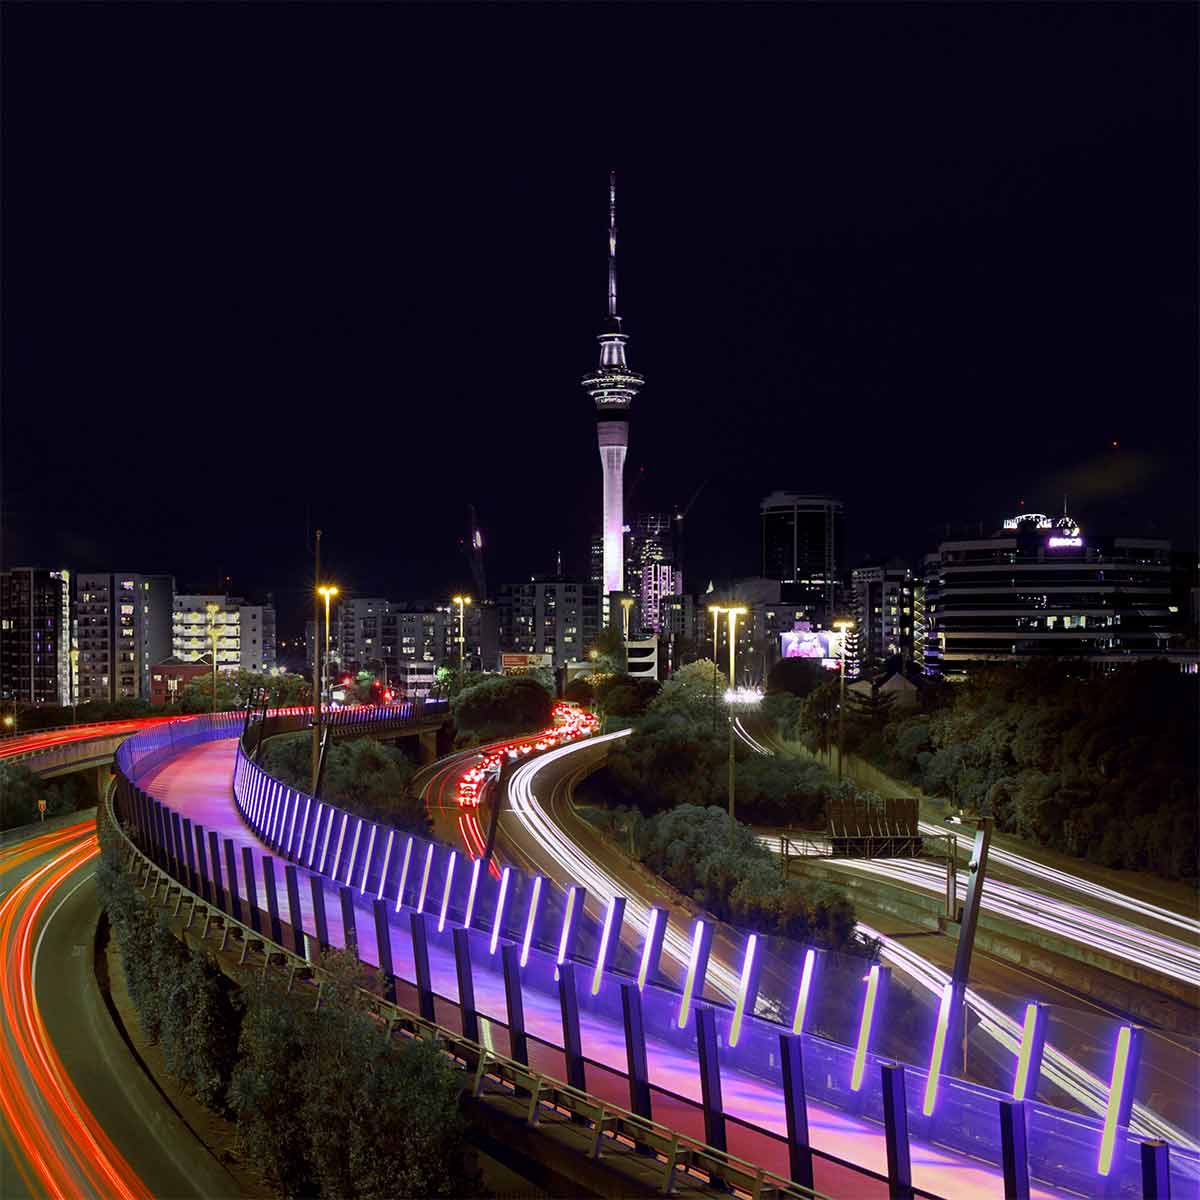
{"x": 612, "y": 246}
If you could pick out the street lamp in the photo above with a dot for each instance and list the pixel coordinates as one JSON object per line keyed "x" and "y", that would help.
{"x": 716, "y": 611}
{"x": 845, "y": 627}
{"x": 733, "y": 613}
{"x": 626, "y": 604}
{"x": 328, "y": 591}
{"x": 212, "y": 610}
{"x": 462, "y": 602}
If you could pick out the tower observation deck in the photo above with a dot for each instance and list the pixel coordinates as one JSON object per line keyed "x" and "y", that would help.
{"x": 612, "y": 387}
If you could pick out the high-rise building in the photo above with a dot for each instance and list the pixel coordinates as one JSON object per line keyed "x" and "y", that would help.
{"x": 803, "y": 543}
{"x": 1040, "y": 587}
{"x": 123, "y": 625}
{"x": 245, "y": 633}
{"x": 612, "y": 388}
{"x": 882, "y": 607}
{"x": 652, "y": 568}
{"x": 35, "y": 635}
{"x": 560, "y": 617}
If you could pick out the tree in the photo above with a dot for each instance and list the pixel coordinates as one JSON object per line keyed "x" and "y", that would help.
{"x": 624, "y": 696}
{"x": 690, "y": 692}
{"x": 501, "y": 706}
{"x": 798, "y": 676}
{"x": 607, "y": 652}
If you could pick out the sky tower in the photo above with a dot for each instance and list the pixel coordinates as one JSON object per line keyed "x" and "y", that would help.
{"x": 613, "y": 386}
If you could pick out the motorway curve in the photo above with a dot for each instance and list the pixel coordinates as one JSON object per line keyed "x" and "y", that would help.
{"x": 80, "y": 1118}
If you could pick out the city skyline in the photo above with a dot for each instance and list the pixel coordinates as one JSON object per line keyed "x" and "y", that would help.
{"x": 806, "y": 325}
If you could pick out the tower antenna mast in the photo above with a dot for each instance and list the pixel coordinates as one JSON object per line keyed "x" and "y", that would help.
{"x": 612, "y": 245}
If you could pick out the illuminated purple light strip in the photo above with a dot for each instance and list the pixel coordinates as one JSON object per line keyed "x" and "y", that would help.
{"x": 404, "y": 874}
{"x": 387, "y": 858}
{"x": 802, "y": 998}
{"x": 535, "y": 895}
{"x": 471, "y": 892}
{"x": 362, "y": 891}
{"x": 446, "y": 889}
{"x": 425, "y": 878}
{"x": 499, "y": 911}
{"x": 353, "y": 852}
{"x": 647, "y": 948}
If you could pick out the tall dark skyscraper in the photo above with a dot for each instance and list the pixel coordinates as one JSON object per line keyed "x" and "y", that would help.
{"x": 803, "y": 544}
{"x": 612, "y": 388}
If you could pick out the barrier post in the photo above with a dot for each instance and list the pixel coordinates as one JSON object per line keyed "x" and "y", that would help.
{"x": 291, "y": 879}
{"x": 795, "y": 1103}
{"x": 420, "y": 945}
{"x": 635, "y": 1052}
{"x": 466, "y": 983}
{"x": 895, "y": 1131}
{"x": 319, "y": 917}
{"x": 383, "y": 943}
{"x": 235, "y": 901}
{"x": 214, "y": 856}
{"x": 190, "y": 855}
{"x": 568, "y": 1003}
{"x": 202, "y": 864}
{"x": 272, "y": 899}
{"x": 1156, "y": 1170}
{"x": 710, "y": 1077}
{"x": 349, "y": 920}
{"x": 1014, "y": 1150}
{"x": 510, "y": 955}
{"x": 251, "y": 888}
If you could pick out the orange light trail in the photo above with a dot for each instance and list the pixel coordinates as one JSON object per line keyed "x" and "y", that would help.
{"x": 60, "y": 1140}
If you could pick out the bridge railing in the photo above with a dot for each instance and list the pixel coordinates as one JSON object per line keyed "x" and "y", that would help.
{"x": 376, "y": 871}
{"x": 613, "y": 1128}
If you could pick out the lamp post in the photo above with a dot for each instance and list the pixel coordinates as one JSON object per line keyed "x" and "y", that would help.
{"x": 328, "y": 591}
{"x": 462, "y": 602}
{"x": 626, "y": 604}
{"x": 845, "y": 627}
{"x": 716, "y": 611}
{"x": 734, "y": 613}
{"x": 212, "y": 610}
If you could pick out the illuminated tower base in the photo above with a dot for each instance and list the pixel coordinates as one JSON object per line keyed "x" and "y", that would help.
{"x": 613, "y": 437}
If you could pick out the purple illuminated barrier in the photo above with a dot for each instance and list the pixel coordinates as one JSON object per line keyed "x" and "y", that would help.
{"x": 385, "y": 870}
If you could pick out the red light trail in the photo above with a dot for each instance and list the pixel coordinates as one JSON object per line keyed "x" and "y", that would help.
{"x": 55, "y": 1139}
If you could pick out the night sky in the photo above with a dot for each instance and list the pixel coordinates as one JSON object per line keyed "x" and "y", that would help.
{"x": 276, "y": 267}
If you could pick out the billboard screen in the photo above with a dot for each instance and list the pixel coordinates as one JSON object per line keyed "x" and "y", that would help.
{"x": 806, "y": 642}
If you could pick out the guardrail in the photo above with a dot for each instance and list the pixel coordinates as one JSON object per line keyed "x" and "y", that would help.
{"x": 611, "y": 1126}
{"x": 416, "y": 874}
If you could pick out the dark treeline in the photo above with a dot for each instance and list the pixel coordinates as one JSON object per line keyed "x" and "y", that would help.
{"x": 324, "y": 1104}
{"x": 1099, "y": 766}
{"x": 500, "y": 706}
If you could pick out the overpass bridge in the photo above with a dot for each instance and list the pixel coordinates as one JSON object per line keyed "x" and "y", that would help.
{"x": 491, "y": 956}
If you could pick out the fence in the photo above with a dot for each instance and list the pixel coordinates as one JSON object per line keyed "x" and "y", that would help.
{"x": 521, "y": 939}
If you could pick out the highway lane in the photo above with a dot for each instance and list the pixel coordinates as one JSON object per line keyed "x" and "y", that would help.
{"x": 196, "y": 783}
{"x": 561, "y": 853}
{"x": 1170, "y": 933}
{"x": 80, "y": 1116}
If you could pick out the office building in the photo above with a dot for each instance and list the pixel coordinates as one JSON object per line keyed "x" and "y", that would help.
{"x": 123, "y": 626}
{"x": 171, "y": 677}
{"x": 244, "y": 633}
{"x": 1041, "y": 586}
{"x": 881, "y": 604}
{"x": 559, "y": 617}
{"x": 35, "y": 636}
{"x": 803, "y": 544}
{"x": 652, "y": 568}
{"x": 612, "y": 388}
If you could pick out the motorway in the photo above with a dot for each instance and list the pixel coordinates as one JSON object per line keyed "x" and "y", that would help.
{"x": 1069, "y": 906}
{"x": 540, "y": 830}
{"x": 80, "y": 1117}
{"x": 195, "y": 783}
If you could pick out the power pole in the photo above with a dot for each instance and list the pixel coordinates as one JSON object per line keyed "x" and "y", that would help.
{"x": 316, "y": 675}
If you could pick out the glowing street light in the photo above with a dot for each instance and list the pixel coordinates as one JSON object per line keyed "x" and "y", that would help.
{"x": 327, "y": 591}
{"x": 462, "y": 602}
{"x": 844, "y": 626}
{"x": 626, "y": 604}
{"x": 733, "y": 613}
